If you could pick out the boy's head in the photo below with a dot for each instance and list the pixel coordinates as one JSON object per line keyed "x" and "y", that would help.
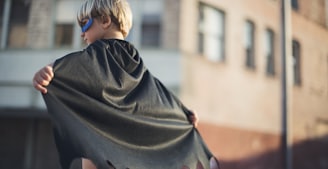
{"x": 118, "y": 10}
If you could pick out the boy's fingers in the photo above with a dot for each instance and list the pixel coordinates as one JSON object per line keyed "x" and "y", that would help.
{"x": 41, "y": 81}
{"x": 49, "y": 71}
{"x": 46, "y": 77}
{"x": 39, "y": 87}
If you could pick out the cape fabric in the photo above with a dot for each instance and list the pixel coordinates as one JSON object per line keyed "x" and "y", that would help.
{"x": 106, "y": 106}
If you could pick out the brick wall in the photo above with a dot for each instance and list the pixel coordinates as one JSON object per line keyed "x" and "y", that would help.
{"x": 313, "y": 10}
{"x": 243, "y": 107}
{"x": 40, "y": 24}
{"x": 170, "y": 26}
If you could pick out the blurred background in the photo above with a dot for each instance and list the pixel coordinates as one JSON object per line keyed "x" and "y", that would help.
{"x": 259, "y": 83}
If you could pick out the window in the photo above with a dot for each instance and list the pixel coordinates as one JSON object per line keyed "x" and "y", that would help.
{"x": 249, "y": 43}
{"x": 294, "y": 4}
{"x": 19, "y": 13}
{"x": 151, "y": 30}
{"x": 269, "y": 52}
{"x": 63, "y": 34}
{"x": 66, "y": 33}
{"x": 151, "y": 23}
{"x": 211, "y": 33}
{"x": 296, "y": 51}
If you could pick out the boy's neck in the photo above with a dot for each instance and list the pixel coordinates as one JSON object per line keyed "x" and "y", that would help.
{"x": 114, "y": 35}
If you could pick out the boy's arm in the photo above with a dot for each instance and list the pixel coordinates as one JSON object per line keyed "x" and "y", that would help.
{"x": 43, "y": 77}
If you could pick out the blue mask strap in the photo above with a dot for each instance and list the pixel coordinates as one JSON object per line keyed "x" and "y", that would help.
{"x": 87, "y": 25}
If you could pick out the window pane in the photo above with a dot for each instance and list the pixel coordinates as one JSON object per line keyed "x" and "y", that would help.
{"x": 201, "y": 42}
{"x": 297, "y": 62}
{"x": 249, "y": 34}
{"x": 151, "y": 31}
{"x": 213, "y": 21}
{"x": 64, "y": 34}
{"x": 249, "y": 44}
{"x": 65, "y": 19}
{"x": 269, "y": 51}
{"x": 213, "y": 49}
{"x": 295, "y": 4}
{"x": 151, "y": 22}
{"x": 18, "y": 23}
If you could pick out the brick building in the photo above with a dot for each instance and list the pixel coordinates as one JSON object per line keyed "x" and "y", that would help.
{"x": 231, "y": 69}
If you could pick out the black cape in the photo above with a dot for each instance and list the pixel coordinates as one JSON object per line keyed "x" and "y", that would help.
{"x": 106, "y": 106}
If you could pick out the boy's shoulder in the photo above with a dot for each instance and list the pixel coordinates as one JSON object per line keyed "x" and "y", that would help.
{"x": 111, "y": 43}
{"x": 101, "y": 48}
{"x": 93, "y": 47}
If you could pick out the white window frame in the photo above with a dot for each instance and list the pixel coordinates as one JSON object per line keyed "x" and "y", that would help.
{"x": 212, "y": 29}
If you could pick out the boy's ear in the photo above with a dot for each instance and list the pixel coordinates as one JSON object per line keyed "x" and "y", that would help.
{"x": 106, "y": 20}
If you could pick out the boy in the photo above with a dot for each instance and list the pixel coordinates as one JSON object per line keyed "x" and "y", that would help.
{"x": 108, "y": 81}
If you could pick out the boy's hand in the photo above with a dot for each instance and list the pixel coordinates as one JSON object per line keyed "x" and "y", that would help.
{"x": 42, "y": 78}
{"x": 193, "y": 118}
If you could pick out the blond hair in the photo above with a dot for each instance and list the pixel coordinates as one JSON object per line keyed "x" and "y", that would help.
{"x": 118, "y": 10}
